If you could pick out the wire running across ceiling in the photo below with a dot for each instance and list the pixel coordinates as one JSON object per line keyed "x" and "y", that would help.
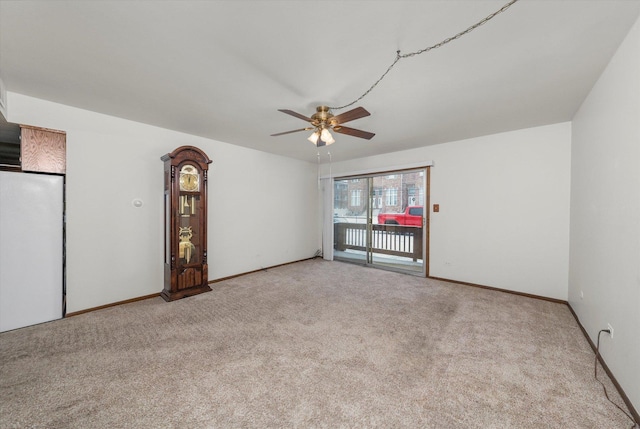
{"x": 400, "y": 56}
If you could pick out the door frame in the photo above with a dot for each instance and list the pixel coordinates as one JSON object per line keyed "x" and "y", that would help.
{"x": 426, "y": 221}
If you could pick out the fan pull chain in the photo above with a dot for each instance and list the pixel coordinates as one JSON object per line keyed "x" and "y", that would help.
{"x": 422, "y": 51}
{"x": 319, "y": 186}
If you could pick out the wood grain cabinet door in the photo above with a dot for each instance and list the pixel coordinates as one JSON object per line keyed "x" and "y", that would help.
{"x": 43, "y": 150}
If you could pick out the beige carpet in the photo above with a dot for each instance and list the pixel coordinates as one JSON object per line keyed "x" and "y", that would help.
{"x": 311, "y": 344}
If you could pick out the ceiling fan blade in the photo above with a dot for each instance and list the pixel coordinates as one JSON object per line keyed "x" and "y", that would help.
{"x": 353, "y": 132}
{"x": 297, "y": 115}
{"x": 357, "y": 113}
{"x": 292, "y": 131}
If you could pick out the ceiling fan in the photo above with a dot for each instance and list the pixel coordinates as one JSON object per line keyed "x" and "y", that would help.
{"x": 323, "y": 121}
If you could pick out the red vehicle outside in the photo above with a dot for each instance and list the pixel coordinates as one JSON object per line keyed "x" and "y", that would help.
{"x": 412, "y": 216}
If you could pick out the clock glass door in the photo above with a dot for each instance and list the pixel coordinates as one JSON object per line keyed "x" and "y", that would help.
{"x": 189, "y": 229}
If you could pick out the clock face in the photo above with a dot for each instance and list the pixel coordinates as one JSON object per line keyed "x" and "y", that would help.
{"x": 189, "y": 179}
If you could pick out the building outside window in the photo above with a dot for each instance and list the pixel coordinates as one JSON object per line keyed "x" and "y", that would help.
{"x": 340, "y": 197}
{"x": 376, "y": 201}
{"x": 356, "y": 197}
{"x": 412, "y": 195}
{"x": 391, "y": 197}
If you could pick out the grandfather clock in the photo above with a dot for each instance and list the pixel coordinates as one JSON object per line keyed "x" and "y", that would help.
{"x": 185, "y": 214}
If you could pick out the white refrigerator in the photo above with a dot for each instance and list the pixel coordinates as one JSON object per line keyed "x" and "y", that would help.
{"x": 31, "y": 249}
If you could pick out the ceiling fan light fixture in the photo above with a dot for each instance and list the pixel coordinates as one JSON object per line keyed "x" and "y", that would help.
{"x": 326, "y": 136}
{"x": 313, "y": 138}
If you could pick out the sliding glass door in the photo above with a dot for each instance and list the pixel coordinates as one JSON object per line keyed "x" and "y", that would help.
{"x": 379, "y": 220}
{"x": 351, "y": 219}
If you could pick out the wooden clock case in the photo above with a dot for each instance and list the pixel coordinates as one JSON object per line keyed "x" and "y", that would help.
{"x": 185, "y": 206}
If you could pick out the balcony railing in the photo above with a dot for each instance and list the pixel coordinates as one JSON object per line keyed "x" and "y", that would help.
{"x": 393, "y": 240}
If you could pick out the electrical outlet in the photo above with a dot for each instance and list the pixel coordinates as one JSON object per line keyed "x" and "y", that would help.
{"x": 581, "y": 295}
{"x": 610, "y": 328}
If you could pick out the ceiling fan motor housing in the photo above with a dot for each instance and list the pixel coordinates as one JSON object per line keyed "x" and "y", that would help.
{"x": 322, "y": 116}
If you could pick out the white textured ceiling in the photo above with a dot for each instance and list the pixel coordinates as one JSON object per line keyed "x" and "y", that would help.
{"x": 221, "y": 69}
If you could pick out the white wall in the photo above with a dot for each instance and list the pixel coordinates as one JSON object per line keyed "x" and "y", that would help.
{"x": 504, "y": 207}
{"x": 115, "y": 251}
{"x": 605, "y": 214}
